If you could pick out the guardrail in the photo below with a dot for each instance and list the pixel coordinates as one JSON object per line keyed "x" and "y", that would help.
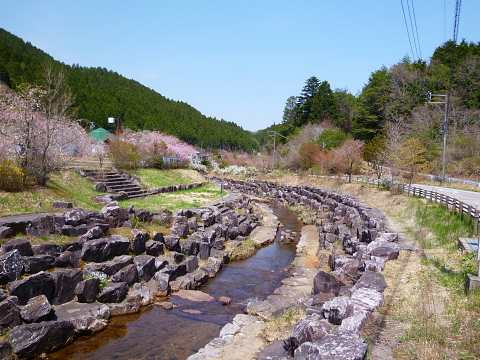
{"x": 455, "y": 205}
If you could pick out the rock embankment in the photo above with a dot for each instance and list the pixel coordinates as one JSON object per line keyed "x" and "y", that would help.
{"x": 54, "y": 293}
{"x": 336, "y": 277}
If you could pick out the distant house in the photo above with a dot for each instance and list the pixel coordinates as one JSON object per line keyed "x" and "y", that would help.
{"x": 198, "y": 157}
{"x": 172, "y": 160}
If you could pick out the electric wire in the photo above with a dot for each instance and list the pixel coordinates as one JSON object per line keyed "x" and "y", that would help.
{"x": 406, "y": 26}
{"x": 416, "y": 30}
{"x": 411, "y": 29}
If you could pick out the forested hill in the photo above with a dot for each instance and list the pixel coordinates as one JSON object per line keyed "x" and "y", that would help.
{"x": 102, "y": 93}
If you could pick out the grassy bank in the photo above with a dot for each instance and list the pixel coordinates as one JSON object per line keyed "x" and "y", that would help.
{"x": 427, "y": 313}
{"x": 69, "y": 186}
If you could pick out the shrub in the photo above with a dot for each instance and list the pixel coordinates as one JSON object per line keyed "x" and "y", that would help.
{"x": 125, "y": 155}
{"x": 103, "y": 278}
{"x": 11, "y": 176}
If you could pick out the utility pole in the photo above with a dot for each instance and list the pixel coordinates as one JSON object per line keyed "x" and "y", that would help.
{"x": 274, "y": 134}
{"x": 445, "y": 126}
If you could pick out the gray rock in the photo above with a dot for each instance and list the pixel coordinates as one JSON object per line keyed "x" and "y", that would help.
{"x": 325, "y": 282}
{"x": 6, "y": 350}
{"x": 9, "y": 313}
{"x": 367, "y": 299}
{"x": 66, "y": 281}
{"x": 204, "y": 250}
{"x": 23, "y": 246}
{"x": 34, "y": 285}
{"x": 337, "y": 309}
{"x": 68, "y": 259}
{"x": 191, "y": 263}
{"x": 162, "y": 283}
{"x": 11, "y": 266}
{"x": 5, "y": 233}
{"x": 172, "y": 242}
{"x": 357, "y": 321}
{"x": 113, "y": 266}
{"x": 87, "y": 290}
{"x": 62, "y": 205}
{"x": 35, "y": 264}
{"x": 339, "y": 345}
{"x": 274, "y": 351}
{"x": 371, "y": 280}
{"x": 145, "y": 266}
{"x": 138, "y": 242}
{"x": 140, "y": 294}
{"x": 160, "y": 263}
{"x": 34, "y": 339}
{"x": 128, "y": 274}
{"x": 190, "y": 247}
{"x": 47, "y": 249}
{"x": 113, "y": 293}
{"x": 103, "y": 249}
{"x": 37, "y": 309}
{"x": 154, "y": 248}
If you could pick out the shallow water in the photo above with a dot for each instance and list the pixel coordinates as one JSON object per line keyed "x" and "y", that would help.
{"x": 155, "y": 333}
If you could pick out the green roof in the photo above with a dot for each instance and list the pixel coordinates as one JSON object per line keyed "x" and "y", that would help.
{"x": 101, "y": 134}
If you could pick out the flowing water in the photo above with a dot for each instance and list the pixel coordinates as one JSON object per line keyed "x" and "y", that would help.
{"x": 155, "y": 333}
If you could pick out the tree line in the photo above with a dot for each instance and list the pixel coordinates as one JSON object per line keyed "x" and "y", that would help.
{"x": 394, "y": 105}
{"x": 100, "y": 93}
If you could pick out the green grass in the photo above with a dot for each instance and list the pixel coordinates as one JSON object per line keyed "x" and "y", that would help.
{"x": 184, "y": 199}
{"x": 154, "y": 178}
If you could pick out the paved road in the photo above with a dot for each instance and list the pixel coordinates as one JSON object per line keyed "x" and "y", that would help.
{"x": 468, "y": 197}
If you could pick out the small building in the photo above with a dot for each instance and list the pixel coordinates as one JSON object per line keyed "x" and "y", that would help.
{"x": 102, "y": 135}
{"x": 172, "y": 160}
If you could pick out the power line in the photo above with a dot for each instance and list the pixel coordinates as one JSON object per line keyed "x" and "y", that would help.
{"x": 411, "y": 29}
{"x": 406, "y": 26}
{"x": 416, "y": 30}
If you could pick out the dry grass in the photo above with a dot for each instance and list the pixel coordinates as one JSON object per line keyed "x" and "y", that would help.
{"x": 281, "y": 327}
{"x": 426, "y": 314}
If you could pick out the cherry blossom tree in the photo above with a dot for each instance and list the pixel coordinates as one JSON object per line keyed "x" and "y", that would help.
{"x": 348, "y": 157}
{"x": 153, "y": 144}
{"x": 36, "y": 129}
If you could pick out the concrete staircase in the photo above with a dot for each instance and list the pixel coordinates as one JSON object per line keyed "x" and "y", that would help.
{"x": 116, "y": 183}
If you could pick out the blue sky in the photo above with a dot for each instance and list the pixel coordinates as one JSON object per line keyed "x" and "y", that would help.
{"x": 236, "y": 60}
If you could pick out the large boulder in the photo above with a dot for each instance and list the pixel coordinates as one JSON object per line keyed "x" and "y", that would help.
{"x": 342, "y": 344}
{"x": 115, "y": 215}
{"x": 145, "y": 266}
{"x": 140, "y": 294}
{"x": 325, "y": 282}
{"x": 337, "y": 309}
{"x": 34, "y": 339}
{"x": 87, "y": 290}
{"x": 68, "y": 259}
{"x": 35, "y": 264}
{"x": 128, "y": 274}
{"x": 113, "y": 266}
{"x": 37, "y": 309}
{"x": 66, "y": 281}
{"x": 103, "y": 249}
{"x": 138, "y": 242}
{"x": 34, "y": 285}
{"x": 11, "y": 266}
{"x": 51, "y": 249}
{"x": 172, "y": 242}
{"x": 23, "y": 246}
{"x": 9, "y": 313}
{"x": 113, "y": 293}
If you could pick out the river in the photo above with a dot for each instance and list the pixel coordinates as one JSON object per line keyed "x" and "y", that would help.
{"x": 159, "y": 334}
